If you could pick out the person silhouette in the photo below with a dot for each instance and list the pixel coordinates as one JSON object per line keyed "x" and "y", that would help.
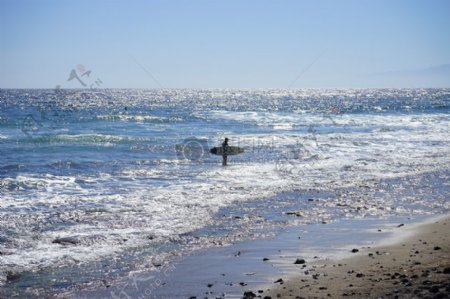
{"x": 225, "y": 149}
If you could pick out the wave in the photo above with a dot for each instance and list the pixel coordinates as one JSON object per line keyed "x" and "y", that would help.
{"x": 137, "y": 118}
{"x": 97, "y": 139}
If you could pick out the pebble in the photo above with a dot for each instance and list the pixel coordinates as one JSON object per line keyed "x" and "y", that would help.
{"x": 279, "y": 281}
{"x": 299, "y": 261}
{"x": 66, "y": 241}
{"x": 11, "y": 276}
{"x": 249, "y": 295}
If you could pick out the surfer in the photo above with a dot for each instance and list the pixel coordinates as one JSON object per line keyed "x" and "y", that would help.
{"x": 225, "y": 152}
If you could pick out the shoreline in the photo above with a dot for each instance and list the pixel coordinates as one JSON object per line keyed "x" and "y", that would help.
{"x": 415, "y": 265}
{"x": 255, "y": 267}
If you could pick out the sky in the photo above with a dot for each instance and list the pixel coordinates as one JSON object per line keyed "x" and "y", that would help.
{"x": 225, "y": 44}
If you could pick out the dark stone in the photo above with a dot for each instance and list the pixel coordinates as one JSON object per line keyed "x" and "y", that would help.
{"x": 67, "y": 241}
{"x": 446, "y": 270}
{"x": 249, "y": 295}
{"x": 209, "y": 285}
{"x": 434, "y": 289}
{"x": 242, "y": 284}
{"x": 11, "y": 276}
{"x": 279, "y": 281}
{"x": 437, "y": 248}
{"x": 267, "y": 297}
{"x": 299, "y": 261}
{"x": 265, "y": 259}
{"x": 354, "y": 250}
{"x": 400, "y": 225}
{"x": 360, "y": 275}
{"x": 297, "y": 214}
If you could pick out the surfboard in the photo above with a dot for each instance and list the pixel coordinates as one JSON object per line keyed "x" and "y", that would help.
{"x": 232, "y": 150}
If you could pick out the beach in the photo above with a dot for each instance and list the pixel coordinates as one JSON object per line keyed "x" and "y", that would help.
{"x": 114, "y": 193}
{"x": 359, "y": 259}
{"x": 417, "y": 266}
{"x": 224, "y": 149}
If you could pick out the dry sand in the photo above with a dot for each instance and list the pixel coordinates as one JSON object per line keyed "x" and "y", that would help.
{"x": 417, "y": 266}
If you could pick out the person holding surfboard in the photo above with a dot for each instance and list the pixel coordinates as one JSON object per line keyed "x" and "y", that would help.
{"x": 225, "y": 149}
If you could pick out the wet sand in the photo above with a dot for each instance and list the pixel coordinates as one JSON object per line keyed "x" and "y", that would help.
{"x": 411, "y": 258}
{"x": 412, "y": 266}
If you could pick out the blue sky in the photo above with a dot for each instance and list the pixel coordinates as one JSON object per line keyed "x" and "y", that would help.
{"x": 225, "y": 44}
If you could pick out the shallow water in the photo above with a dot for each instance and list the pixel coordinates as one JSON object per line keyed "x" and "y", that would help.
{"x": 103, "y": 167}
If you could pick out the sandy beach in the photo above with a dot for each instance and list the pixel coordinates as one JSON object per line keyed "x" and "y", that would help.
{"x": 224, "y": 149}
{"x": 366, "y": 258}
{"x": 414, "y": 266}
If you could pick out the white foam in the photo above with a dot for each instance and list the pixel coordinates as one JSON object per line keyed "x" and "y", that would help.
{"x": 133, "y": 118}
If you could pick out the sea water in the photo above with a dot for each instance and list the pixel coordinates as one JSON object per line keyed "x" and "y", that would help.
{"x": 127, "y": 178}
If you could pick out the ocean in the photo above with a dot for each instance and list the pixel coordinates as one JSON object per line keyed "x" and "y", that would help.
{"x": 96, "y": 184}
